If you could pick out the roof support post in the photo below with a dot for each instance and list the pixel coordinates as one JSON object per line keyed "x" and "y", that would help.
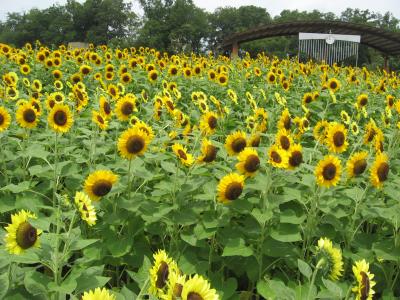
{"x": 235, "y": 49}
{"x": 385, "y": 64}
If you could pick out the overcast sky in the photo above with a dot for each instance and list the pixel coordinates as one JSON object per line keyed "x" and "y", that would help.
{"x": 274, "y": 7}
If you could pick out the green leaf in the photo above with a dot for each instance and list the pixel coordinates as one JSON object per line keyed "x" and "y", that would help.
{"x": 19, "y": 188}
{"x": 273, "y": 289}
{"x": 261, "y": 217}
{"x": 333, "y": 288}
{"x": 286, "y": 233}
{"x": 120, "y": 246}
{"x": 81, "y": 244}
{"x": 86, "y": 283}
{"x": 4, "y": 284}
{"x": 304, "y": 268}
{"x": 237, "y": 247}
{"x": 36, "y": 283}
{"x": 142, "y": 274}
{"x": 168, "y": 166}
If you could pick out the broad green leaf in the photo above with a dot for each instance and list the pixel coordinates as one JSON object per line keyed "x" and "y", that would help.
{"x": 286, "y": 233}
{"x": 304, "y": 268}
{"x": 237, "y": 247}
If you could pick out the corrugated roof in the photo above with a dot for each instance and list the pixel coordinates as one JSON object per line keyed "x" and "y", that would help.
{"x": 383, "y": 40}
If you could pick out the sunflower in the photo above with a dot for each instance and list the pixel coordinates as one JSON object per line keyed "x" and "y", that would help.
{"x": 99, "y": 183}
{"x": 198, "y": 288}
{"x": 173, "y": 70}
{"x": 125, "y": 107}
{"x": 230, "y": 187}
{"x": 271, "y": 77}
{"x": 133, "y": 142}
{"x": 209, "y": 123}
{"x": 21, "y": 235}
{"x": 208, "y": 152}
{"x": 345, "y": 117}
{"x": 232, "y": 95}
{"x": 333, "y": 267}
{"x": 362, "y": 101}
{"x": 98, "y": 294}
{"x": 235, "y": 142}
{"x": 181, "y": 152}
{"x": 380, "y": 170}
{"x": 222, "y": 79}
{"x": 370, "y": 131}
{"x": 211, "y": 74}
{"x": 354, "y": 128}
{"x": 333, "y": 85}
{"x": 99, "y": 120}
{"x": 162, "y": 269}
{"x": 152, "y": 75}
{"x": 307, "y": 98}
{"x": 285, "y": 121}
{"x": 187, "y": 72}
{"x": 105, "y": 107}
{"x": 336, "y": 138}
{"x": 328, "y": 171}
{"x": 85, "y": 207}
{"x": 283, "y": 139}
{"x": 145, "y": 128}
{"x": 60, "y": 118}
{"x": 5, "y": 119}
{"x": 357, "y": 164}
{"x": 174, "y": 286}
{"x": 295, "y": 156}
{"x": 278, "y": 157}
{"x": 365, "y": 281}
{"x": 254, "y": 140}
{"x": 26, "y": 116}
{"x": 249, "y": 162}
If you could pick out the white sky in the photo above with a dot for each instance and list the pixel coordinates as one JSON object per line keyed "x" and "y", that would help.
{"x": 274, "y": 7}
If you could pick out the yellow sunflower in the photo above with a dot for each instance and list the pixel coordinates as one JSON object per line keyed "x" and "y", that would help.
{"x": 278, "y": 157}
{"x": 98, "y": 294}
{"x": 208, "y": 152}
{"x": 174, "y": 286}
{"x": 133, "y": 142}
{"x": 181, "y": 152}
{"x": 321, "y": 130}
{"x": 249, "y": 162}
{"x": 60, "y": 118}
{"x": 295, "y": 156}
{"x": 163, "y": 267}
{"x": 208, "y": 123}
{"x": 379, "y": 170}
{"x": 307, "y": 98}
{"x": 26, "y": 116}
{"x": 152, "y": 76}
{"x": 362, "y": 101}
{"x": 230, "y": 187}
{"x": 254, "y": 140}
{"x": 105, "y": 107}
{"x": 357, "y": 164}
{"x": 21, "y": 235}
{"x": 283, "y": 139}
{"x": 99, "y": 120}
{"x": 336, "y": 138}
{"x": 333, "y": 267}
{"x": 99, "y": 183}
{"x": 333, "y": 85}
{"x": 235, "y": 142}
{"x": 328, "y": 171}
{"x": 345, "y": 117}
{"x": 222, "y": 79}
{"x": 285, "y": 121}
{"x": 198, "y": 288}
{"x": 85, "y": 207}
{"x": 125, "y": 107}
{"x": 5, "y": 119}
{"x": 354, "y": 128}
{"x": 365, "y": 281}
{"x": 370, "y": 131}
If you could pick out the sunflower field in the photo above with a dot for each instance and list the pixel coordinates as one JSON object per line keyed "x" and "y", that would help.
{"x": 134, "y": 174}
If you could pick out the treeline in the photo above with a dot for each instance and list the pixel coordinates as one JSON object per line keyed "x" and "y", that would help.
{"x": 170, "y": 25}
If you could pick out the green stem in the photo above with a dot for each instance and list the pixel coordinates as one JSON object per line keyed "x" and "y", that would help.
{"x": 129, "y": 179}
{"x": 314, "y": 275}
{"x": 143, "y": 290}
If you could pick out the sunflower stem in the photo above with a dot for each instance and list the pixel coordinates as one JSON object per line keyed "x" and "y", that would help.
{"x": 314, "y": 275}
{"x": 143, "y": 290}
{"x": 129, "y": 179}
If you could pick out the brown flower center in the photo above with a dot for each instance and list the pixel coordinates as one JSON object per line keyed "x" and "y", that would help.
{"x": 256, "y": 141}
{"x": 127, "y": 108}
{"x": 359, "y": 166}
{"x": 233, "y": 190}
{"x": 365, "y": 286}
{"x": 60, "y": 118}
{"x": 100, "y": 119}
{"x": 153, "y": 76}
{"x": 308, "y": 99}
{"x": 29, "y": 115}
{"x": 26, "y": 235}
{"x": 238, "y": 145}
{"x": 296, "y": 158}
{"x": 329, "y": 171}
{"x": 2, "y": 119}
{"x": 194, "y": 296}
{"x": 383, "y": 171}
{"x": 107, "y": 108}
{"x": 182, "y": 154}
{"x": 101, "y": 188}
{"x": 162, "y": 275}
{"x": 211, "y": 153}
{"x": 135, "y": 144}
{"x": 338, "y": 138}
{"x": 285, "y": 142}
{"x": 212, "y": 122}
{"x": 333, "y": 85}
{"x": 177, "y": 291}
{"x": 276, "y": 157}
{"x": 252, "y": 163}
{"x": 287, "y": 123}
{"x": 363, "y": 101}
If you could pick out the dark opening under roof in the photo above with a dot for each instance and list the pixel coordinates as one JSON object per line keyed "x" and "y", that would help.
{"x": 383, "y": 40}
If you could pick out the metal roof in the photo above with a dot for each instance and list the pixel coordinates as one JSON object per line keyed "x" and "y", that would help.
{"x": 383, "y": 40}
